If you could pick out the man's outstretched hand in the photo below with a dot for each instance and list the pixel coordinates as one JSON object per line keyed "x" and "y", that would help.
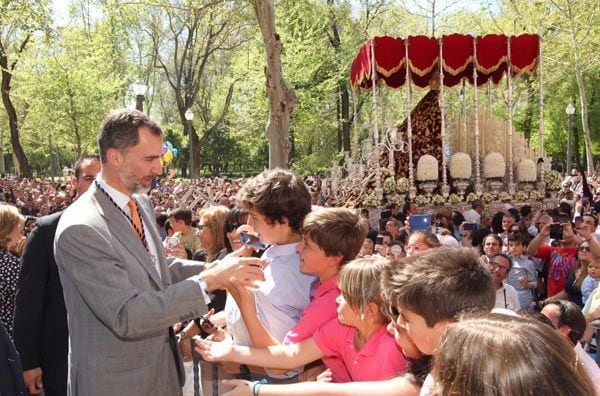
{"x": 246, "y": 270}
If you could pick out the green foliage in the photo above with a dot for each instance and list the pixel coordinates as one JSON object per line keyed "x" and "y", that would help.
{"x": 73, "y": 74}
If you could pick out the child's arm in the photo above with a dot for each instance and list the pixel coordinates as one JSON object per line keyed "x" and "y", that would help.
{"x": 399, "y": 386}
{"x": 532, "y": 275}
{"x": 261, "y": 338}
{"x": 587, "y": 286}
{"x": 277, "y": 356}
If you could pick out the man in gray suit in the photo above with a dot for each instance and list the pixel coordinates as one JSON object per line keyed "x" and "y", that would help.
{"x": 120, "y": 292}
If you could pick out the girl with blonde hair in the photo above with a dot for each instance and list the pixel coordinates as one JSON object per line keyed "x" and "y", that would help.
{"x": 357, "y": 338}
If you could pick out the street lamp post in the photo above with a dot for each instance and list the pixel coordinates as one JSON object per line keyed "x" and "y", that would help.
{"x": 570, "y": 110}
{"x": 139, "y": 89}
{"x": 189, "y": 116}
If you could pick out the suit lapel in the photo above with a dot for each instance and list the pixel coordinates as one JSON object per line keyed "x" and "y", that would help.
{"x": 122, "y": 230}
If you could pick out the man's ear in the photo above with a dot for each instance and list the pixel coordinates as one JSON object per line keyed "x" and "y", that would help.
{"x": 564, "y": 330}
{"x": 114, "y": 157}
{"x": 74, "y": 182}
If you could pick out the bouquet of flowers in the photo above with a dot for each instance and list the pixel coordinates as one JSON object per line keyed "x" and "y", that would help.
{"x": 494, "y": 166}
{"x": 521, "y": 196}
{"x": 488, "y": 197}
{"x": 421, "y": 200}
{"x": 535, "y": 195}
{"x": 403, "y": 185}
{"x": 460, "y": 166}
{"x": 427, "y": 168}
{"x": 371, "y": 200}
{"x": 471, "y": 197}
{"x": 455, "y": 198}
{"x": 389, "y": 185}
{"x": 398, "y": 199}
{"x": 553, "y": 180}
{"x": 505, "y": 197}
{"x": 526, "y": 171}
{"x": 438, "y": 200}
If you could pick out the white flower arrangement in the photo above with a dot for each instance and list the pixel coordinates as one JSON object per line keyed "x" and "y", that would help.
{"x": 521, "y": 196}
{"x": 437, "y": 199}
{"x": 471, "y": 197}
{"x": 505, "y": 197}
{"x": 460, "y": 166}
{"x": 398, "y": 199}
{"x": 553, "y": 180}
{"x": 403, "y": 185}
{"x": 535, "y": 195}
{"x": 488, "y": 197}
{"x": 371, "y": 200}
{"x": 455, "y": 198}
{"x": 494, "y": 166}
{"x": 421, "y": 200}
{"x": 389, "y": 185}
{"x": 527, "y": 171}
{"x": 427, "y": 168}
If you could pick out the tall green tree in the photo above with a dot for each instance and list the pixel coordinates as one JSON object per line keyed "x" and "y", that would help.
{"x": 19, "y": 21}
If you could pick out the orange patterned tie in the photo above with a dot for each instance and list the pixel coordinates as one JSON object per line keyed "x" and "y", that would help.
{"x": 137, "y": 222}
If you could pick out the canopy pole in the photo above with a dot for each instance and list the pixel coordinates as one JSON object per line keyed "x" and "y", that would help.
{"x": 445, "y": 186}
{"x": 411, "y": 173}
{"x": 542, "y": 184}
{"x": 478, "y": 186}
{"x": 375, "y": 127}
{"x": 463, "y": 135}
{"x": 511, "y": 181}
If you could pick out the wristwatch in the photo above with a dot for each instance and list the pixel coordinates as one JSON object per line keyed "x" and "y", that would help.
{"x": 183, "y": 335}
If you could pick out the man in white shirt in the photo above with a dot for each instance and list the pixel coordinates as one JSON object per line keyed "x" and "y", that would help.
{"x": 506, "y": 295}
{"x": 473, "y": 215}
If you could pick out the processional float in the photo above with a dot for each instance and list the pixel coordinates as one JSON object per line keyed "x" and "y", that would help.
{"x": 383, "y": 169}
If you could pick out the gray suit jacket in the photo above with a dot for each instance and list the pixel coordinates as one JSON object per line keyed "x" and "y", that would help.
{"x": 119, "y": 309}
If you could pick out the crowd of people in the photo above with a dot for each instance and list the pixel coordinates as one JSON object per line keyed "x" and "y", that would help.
{"x": 118, "y": 281}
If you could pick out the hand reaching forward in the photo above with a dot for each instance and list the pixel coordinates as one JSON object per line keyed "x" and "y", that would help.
{"x": 246, "y": 270}
{"x": 241, "y": 388}
{"x": 212, "y": 351}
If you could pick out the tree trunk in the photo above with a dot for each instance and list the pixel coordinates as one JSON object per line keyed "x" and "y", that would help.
{"x": 582, "y": 96}
{"x": 11, "y": 112}
{"x": 343, "y": 95}
{"x": 281, "y": 98}
{"x": 346, "y": 118}
{"x": 13, "y": 123}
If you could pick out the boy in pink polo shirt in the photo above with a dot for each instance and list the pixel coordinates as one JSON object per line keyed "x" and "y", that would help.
{"x": 331, "y": 237}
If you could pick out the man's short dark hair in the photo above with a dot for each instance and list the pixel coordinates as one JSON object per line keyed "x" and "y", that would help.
{"x": 161, "y": 218}
{"x": 182, "y": 214}
{"x": 81, "y": 160}
{"x": 507, "y": 258}
{"x": 569, "y": 315}
{"x": 477, "y": 203}
{"x": 120, "y": 130}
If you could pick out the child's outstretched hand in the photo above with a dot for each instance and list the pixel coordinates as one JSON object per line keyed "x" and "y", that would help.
{"x": 241, "y": 387}
{"x": 212, "y": 351}
{"x": 325, "y": 376}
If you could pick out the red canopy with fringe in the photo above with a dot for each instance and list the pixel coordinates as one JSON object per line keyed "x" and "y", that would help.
{"x": 457, "y": 59}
